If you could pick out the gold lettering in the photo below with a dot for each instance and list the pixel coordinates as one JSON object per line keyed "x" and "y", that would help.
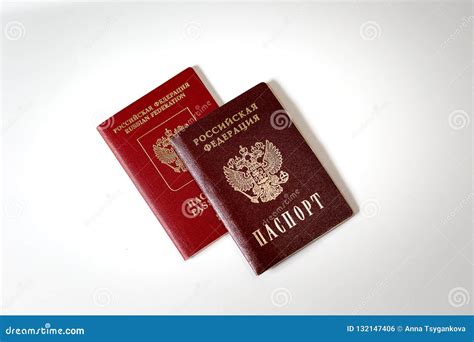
{"x": 270, "y": 232}
{"x": 298, "y": 212}
{"x": 307, "y": 205}
{"x": 316, "y": 198}
{"x": 288, "y": 219}
{"x": 277, "y": 224}
{"x": 259, "y": 237}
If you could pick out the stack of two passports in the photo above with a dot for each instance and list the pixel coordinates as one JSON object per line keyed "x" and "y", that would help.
{"x": 243, "y": 167}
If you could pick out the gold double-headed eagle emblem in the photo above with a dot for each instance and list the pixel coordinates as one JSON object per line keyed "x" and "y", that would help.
{"x": 166, "y": 153}
{"x": 258, "y": 171}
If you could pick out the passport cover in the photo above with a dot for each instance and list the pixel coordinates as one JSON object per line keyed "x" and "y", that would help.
{"x": 139, "y": 136}
{"x": 262, "y": 178}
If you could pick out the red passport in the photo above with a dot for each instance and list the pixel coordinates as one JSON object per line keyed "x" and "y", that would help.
{"x": 139, "y": 136}
{"x": 262, "y": 178}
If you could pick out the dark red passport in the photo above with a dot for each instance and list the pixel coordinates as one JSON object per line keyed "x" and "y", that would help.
{"x": 139, "y": 136}
{"x": 262, "y": 178}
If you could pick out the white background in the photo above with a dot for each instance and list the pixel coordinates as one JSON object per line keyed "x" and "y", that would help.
{"x": 381, "y": 91}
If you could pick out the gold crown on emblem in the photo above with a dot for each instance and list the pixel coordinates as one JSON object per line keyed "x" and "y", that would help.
{"x": 257, "y": 171}
{"x": 166, "y": 153}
